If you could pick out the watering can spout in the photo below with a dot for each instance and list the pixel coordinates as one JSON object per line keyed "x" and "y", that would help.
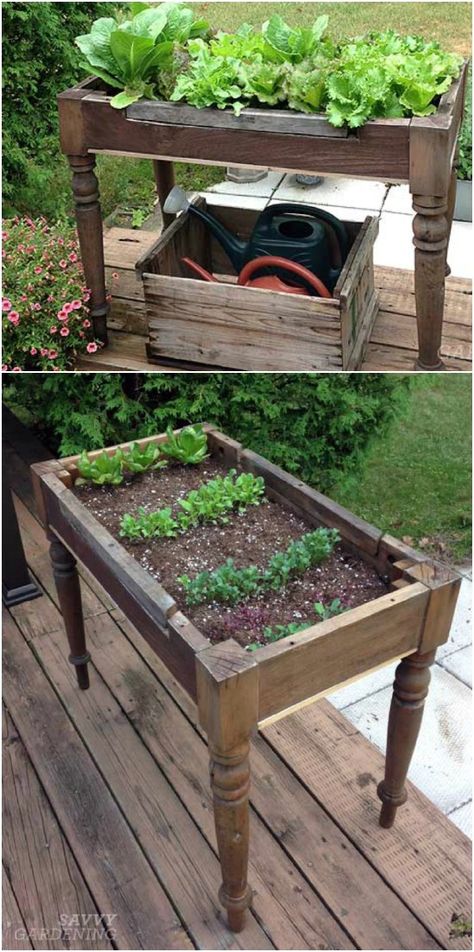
{"x": 177, "y": 201}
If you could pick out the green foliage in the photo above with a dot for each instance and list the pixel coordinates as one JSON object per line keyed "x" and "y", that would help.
{"x": 322, "y": 612}
{"x": 209, "y": 503}
{"x": 45, "y": 312}
{"x": 465, "y": 136}
{"x": 188, "y": 446}
{"x": 138, "y": 460}
{"x": 314, "y": 425}
{"x": 129, "y": 53}
{"x": 230, "y": 584}
{"x": 103, "y": 470}
{"x": 39, "y": 61}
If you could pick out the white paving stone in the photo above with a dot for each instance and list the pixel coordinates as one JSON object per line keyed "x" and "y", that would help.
{"x": 398, "y": 200}
{"x": 461, "y": 629}
{"x": 341, "y": 192}
{"x": 262, "y": 189}
{"x": 364, "y": 687}
{"x": 462, "y": 817}
{"x": 394, "y": 247}
{"x": 441, "y": 765}
{"x": 459, "y": 663}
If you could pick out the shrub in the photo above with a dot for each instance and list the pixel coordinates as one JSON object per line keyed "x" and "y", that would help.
{"x": 39, "y": 61}
{"x": 465, "y": 137}
{"x": 45, "y": 322}
{"x": 314, "y": 425}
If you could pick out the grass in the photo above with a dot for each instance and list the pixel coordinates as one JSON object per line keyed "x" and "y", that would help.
{"x": 450, "y": 23}
{"x": 415, "y": 481}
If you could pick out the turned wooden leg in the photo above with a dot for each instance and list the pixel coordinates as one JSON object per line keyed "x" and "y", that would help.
{"x": 430, "y": 228}
{"x": 450, "y": 212}
{"x": 410, "y": 689}
{"x": 69, "y": 594}
{"x": 89, "y": 228}
{"x": 227, "y": 685}
{"x": 165, "y": 180}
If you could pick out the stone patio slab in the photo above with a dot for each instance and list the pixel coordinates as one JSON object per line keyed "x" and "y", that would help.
{"x": 363, "y": 688}
{"x": 462, "y": 817}
{"x": 342, "y": 192}
{"x": 262, "y": 189}
{"x": 461, "y": 631}
{"x": 441, "y": 765}
{"x": 394, "y": 247}
{"x": 459, "y": 663}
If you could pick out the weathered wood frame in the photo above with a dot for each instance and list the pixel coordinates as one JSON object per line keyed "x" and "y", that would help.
{"x": 251, "y": 329}
{"x": 420, "y": 151}
{"x": 237, "y": 692}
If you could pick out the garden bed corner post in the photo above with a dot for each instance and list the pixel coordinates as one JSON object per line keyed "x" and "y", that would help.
{"x": 227, "y": 688}
{"x": 68, "y": 588}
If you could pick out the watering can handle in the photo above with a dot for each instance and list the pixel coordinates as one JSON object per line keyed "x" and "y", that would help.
{"x": 337, "y": 230}
{"x": 273, "y": 261}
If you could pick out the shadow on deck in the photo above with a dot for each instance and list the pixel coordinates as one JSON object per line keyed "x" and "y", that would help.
{"x": 107, "y": 810}
{"x": 393, "y": 345}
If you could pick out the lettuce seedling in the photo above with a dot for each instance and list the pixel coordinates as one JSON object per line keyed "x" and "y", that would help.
{"x": 149, "y": 525}
{"x": 139, "y": 460}
{"x": 187, "y": 446}
{"x": 103, "y": 470}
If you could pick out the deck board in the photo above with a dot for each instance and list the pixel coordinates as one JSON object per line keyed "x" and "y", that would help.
{"x": 324, "y": 873}
{"x": 393, "y": 344}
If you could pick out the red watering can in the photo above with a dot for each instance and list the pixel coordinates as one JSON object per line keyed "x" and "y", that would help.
{"x": 270, "y": 282}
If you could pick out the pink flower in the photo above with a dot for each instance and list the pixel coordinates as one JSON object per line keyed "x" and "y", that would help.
{"x": 30, "y": 249}
{"x": 36, "y": 307}
{"x": 4, "y": 235}
{"x": 63, "y": 315}
{"x": 63, "y": 263}
{"x": 53, "y": 329}
{"x": 33, "y": 351}
{"x": 14, "y": 317}
{"x": 44, "y": 351}
{"x": 4, "y": 368}
{"x": 50, "y": 298}
{"x": 86, "y": 297}
{"x": 64, "y": 331}
{"x": 81, "y": 334}
{"x": 6, "y": 305}
{"x": 60, "y": 241}
{"x": 67, "y": 308}
{"x": 76, "y": 305}
{"x": 23, "y": 297}
{"x": 16, "y": 370}
{"x": 52, "y": 354}
{"x": 38, "y": 270}
{"x": 86, "y": 323}
{"x": 72, "y": 256}
{"x": 91, "y": 348}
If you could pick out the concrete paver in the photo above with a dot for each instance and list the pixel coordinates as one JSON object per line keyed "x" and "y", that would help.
{"x": 459, "y": 663}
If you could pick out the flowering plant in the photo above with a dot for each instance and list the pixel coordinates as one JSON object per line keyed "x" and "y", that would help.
{"x": 44, "y": 308}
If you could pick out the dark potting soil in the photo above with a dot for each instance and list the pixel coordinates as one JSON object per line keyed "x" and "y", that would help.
{"x": 249, "y": 538}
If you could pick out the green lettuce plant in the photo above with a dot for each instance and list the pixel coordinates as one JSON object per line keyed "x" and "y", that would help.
{"x": 138, "y": 460}
{"x": 103, "y": 470}
{"x": 323, "y": 612}
{"x": 187, "y": 446}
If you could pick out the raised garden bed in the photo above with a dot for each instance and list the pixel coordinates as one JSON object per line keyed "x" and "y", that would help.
{"x": 408, "y": 615}
{"x": 247, "y": 328}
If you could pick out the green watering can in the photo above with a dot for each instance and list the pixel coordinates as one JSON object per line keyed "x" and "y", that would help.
{"x": 310, "y": 236}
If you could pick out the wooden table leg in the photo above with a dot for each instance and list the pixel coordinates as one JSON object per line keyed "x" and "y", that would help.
{"x": 227, "y": 686}
{"x": 69, "y": 594}
{"x": 451, "y": 203}
{"x": 89, "y": 228}
{"x": 410, "y": 689}
{"x": 165, "y": 180}
{"x": 430, "y": 227}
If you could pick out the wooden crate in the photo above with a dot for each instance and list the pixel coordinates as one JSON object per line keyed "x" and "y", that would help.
{"x": 248, "y": 328}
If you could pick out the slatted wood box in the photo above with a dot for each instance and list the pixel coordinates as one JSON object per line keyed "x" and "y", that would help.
{"x": 226, "y": 326}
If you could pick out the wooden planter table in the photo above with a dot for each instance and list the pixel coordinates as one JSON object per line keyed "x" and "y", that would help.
{"x": 420, "y": 151}
{"x": 236, "y": 691}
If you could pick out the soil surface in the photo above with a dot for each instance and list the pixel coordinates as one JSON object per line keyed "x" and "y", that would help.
{"x": 249, "y": 538}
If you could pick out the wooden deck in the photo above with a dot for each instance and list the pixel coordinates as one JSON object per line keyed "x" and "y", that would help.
{"x": 107, "y": 808}
{"x": 393, "y": 345}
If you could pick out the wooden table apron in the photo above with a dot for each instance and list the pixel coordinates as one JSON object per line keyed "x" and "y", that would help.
{"x": 420, "y": 151}
{"x": 237, "y": 691}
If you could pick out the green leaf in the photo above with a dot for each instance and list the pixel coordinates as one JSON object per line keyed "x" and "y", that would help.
{"x": 124, "y": 99}
{"x": 129, "y": 52}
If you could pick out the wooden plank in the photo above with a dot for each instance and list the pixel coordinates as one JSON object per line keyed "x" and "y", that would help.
{"x": 258, "y": 120}
{"x": 46, "y": 880}
{"x": 401, "y": 303}
{"x": 383, "y": 358}
{"x": 367, "y": 908}
{"x": 379, "y": 150}
{"x": 303, "y": 665}
{"x": 124, "y": 246}
{"x": 14, "y": 932}
{"x": 425, "y": 858}
{"x": 242, "y": 328}
{"x": 457, "y": 339}
{"x": 444, "y": 585}
{"x": 313, "y": 505}
{"x": 403, "y": 279}
{"x": 116, "y": 871}
{"x": 180, "y": 857}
